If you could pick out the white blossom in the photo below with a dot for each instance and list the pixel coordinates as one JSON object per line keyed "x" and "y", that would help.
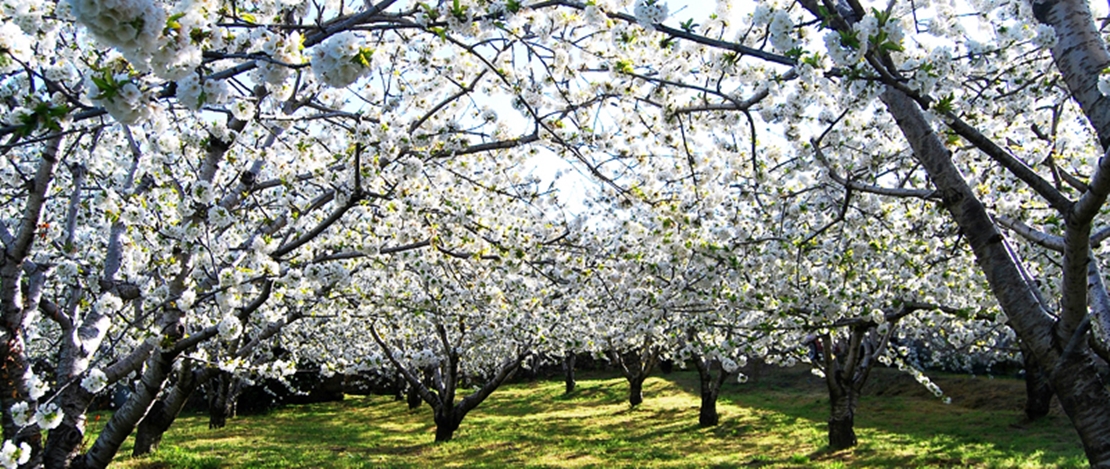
{"x": 650, "y": 12}
{"x": 49, "y": 416}
{"x": 12, "y": 456}
{"x": 94, "y": 381}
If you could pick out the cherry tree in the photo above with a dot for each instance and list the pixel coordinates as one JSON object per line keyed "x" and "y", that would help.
{"x": 987, "y": 130}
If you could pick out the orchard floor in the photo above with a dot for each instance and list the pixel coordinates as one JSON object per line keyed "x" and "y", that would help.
{"x": 776, "y": 420}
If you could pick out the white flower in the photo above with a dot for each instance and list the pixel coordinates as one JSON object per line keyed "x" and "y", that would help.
{"x": 21, "y": 414}
{"x": 13, "y": 45}
{"x": 202, "y": 192}
{"x": 1104, "y": 84}
{"x": 729, "y": 365}
{"x": 242, "y": 110}
{"x": 95, "y": 381}
{"x": 216, "y": 91}
{"x": 12, "y": 456}
{"x": 189, "y": 92}
{"x": 649, "y": 12}
{"x": 230, "y": 327}
{"x": 781, "y": 30}
{"x": 49, "y": 417}
{"x": 36, "y": 387}
{"x": 219, "y": 216}
{"x": 340, "y": 60}
{"x": 109, "y": 302}
{"x": 1046, "y": 36}
{"x": 132, "y": 26}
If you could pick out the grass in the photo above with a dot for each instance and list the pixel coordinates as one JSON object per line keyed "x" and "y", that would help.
{"x": 767, "y": 424}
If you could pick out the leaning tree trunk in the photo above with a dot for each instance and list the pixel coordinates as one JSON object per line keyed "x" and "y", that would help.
{"x": 125, "y": 419}
{"x": 1071, "y": 370}
{"x": 568, "y": 371}
{"x": 164, "y": 411}
{"x": 1038, "y": 390}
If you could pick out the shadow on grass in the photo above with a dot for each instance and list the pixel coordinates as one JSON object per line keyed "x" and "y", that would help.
{"x": 936, "y": 435}
{"x": 534, "y": 424}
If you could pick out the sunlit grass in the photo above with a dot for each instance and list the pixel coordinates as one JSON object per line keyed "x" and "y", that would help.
{"x": 534, "y": 424}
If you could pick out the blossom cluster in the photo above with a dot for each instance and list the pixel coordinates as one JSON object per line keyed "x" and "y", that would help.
{"x": 649, "y": 12}
{"x": 121, "y": 96}
{"x": 342, "y": 59}
{"x": 15, "y": 47}
{"x": 132, "y": 26}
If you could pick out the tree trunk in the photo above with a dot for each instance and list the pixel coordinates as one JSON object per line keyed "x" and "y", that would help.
{"x": 414, "y": 399}
{"x": 710, "y": 388}
{"x": 223, "y": 401}
{"x": 149, "y": 432}
{"x": 164, "y": 411}
{"x": 1038, "y": 390}
{"x": 63, "y": 444}
{"x": 1071, "y": 370}
{"x": 399, "y": 388}
{"x": 842, "y": 433}
{"x": 707, "y": 416}
{"x": 568, "y": 371}
{"x": 447, "y": 421}
{"x": 636, "y": 390}
{"x": 125, "y": 419}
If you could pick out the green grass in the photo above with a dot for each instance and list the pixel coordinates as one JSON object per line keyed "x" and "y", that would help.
{"x": 763, "y": 425}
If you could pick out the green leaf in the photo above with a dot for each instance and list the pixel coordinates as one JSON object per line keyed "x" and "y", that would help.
{"x": 689, "y": 25}
{"x": 944, "y": 105}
